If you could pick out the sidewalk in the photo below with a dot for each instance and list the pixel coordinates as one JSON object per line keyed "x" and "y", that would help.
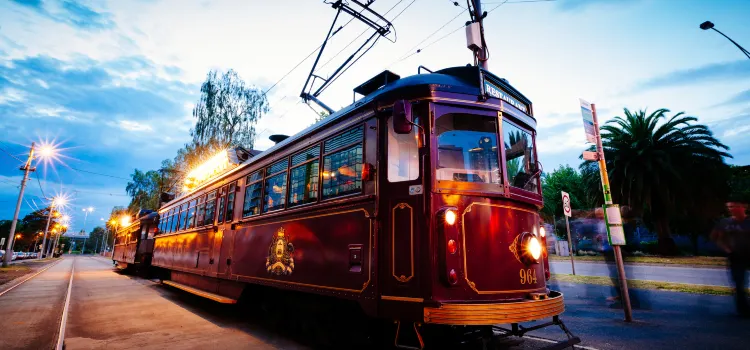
{"x": 662, "y": 320}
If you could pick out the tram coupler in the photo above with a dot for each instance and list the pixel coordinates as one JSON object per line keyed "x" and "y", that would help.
{"x": 519, "y": 330}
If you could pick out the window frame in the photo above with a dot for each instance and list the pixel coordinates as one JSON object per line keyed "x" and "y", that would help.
{"x": 339, "y": 149}
{"x": 318, "y": 158}
{"x": 231, "y": 192}
{"x": 512, "y": 189}
{"x": 268, "y": 176}
{"x": 247, "y": 185}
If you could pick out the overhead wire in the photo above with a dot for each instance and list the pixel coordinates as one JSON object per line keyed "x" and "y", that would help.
{"x": 407, "y": 53}
{"x": 94, "y": 173}
{"x": 11, "y": 155}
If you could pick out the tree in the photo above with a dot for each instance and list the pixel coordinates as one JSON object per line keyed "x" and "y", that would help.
{"x": 321, "y": 115}
{"x": 144, "y": 190}
{"x": 227, "y": 111}
{"x": 567, "y": 179}
{"x": 664, "y": 166}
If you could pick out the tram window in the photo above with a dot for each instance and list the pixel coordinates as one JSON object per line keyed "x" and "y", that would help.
{"x": 342, "y": 172}
{"x": 173, "y": 219}
{"x": 181, "y": 218}
{"x": 230, "y": 203}
{"x": 519, "y": 157}
{"x": 201, "y": 211}
{"x": 467, "y": 149}
{"x": 222, "y": 200}
{"x": 210, "y": 209}
{"x": 275, "y": 192}
{"x": 191, "y": 215}
{"x": 303, "y": 179}
{"x": 253, "y": 190}
{"x": 403, "y": 155}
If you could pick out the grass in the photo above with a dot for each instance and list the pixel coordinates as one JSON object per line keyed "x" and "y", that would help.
{"x": 641, "y": 284}
{"x": 703, "y": 261}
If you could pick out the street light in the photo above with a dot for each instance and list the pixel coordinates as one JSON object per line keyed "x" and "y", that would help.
{"x": 57, "y": 201}
{"x": 47, "y": 152}
{"x": 87, "y": 211}
{"x": 709, "y": 25}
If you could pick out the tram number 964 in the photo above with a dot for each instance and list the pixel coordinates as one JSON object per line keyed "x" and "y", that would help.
{"x": 528, "y": 276}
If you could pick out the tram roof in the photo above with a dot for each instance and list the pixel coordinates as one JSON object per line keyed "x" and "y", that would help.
{"x": 461, "y": 79}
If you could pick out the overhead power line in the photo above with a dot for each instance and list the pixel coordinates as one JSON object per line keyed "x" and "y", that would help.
{"x": 91, "y": 172}
{"x": 11, "y": 155}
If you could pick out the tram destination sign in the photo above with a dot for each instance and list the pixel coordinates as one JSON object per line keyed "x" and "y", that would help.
{"x": 497, "y": 92}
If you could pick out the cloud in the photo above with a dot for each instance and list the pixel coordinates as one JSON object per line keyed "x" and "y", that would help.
{"x": 134, "y": 126}
{"x": 742, "y": 97}
{"x": 735, "y": 70}
{"x": 574, "y": 5}
{"x": 70, "y": 12}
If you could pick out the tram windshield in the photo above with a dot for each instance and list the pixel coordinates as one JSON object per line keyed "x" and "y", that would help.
{"x": 467, "y": 149}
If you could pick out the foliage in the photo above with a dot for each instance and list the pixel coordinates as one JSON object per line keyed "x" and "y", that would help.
{"x": 739, "y": 183}
{"x": 227, "y": 111}
{"x": 662, "y": 166}
{"x": 321, "y": 115}
{"x": 567, "y": 179}
{"x": 144, "y": 189}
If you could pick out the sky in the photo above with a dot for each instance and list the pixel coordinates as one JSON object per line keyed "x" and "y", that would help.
{"x": 113, "y": 83}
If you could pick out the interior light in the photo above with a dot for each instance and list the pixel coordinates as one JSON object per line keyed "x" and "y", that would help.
{"x": 450, "y": 217}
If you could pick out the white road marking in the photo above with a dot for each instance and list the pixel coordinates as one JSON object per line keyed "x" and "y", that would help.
{"x": 61, "y": 333}
{"x": 557, "y": 341}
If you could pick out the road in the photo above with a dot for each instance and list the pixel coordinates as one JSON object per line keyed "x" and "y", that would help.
{"x": 34, "y": 309}
{"x": 663, "y": 320}
{"x": 693, "y": 275}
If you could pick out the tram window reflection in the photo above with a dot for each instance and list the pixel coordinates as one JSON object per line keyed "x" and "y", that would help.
{"x": 519, "y": 157}
{"x": 403, "y": 155}
{"x": 230, "y": 203}
{"x": 210, "y": 209}
{"x": 467, "y": 149}
{"x": 275, "y": 192}
{"x": 342, "y": 172}
{"x": 253, "y": 194}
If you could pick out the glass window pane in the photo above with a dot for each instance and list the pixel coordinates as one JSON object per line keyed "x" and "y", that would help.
{"x": 256, "y": 176}
{"x": 275, "y": 193}
{"x": 303, "y": 184}
{"x": 191, "y": 215}
{"x": 278, "y": 166}
{"x": 252, "y": 199}
{"x": 308, "y": 154}
{"x": 403, "y": 155}
{"x": 210, "y": 209}
{"x": 230, "y": 204}
{"x": 345, "y": 138}
{"x": 467, "y": 149}
{"x": 222, "y": 203}
{"x": 519, "y": 157}
{"x": 342, "y": 172}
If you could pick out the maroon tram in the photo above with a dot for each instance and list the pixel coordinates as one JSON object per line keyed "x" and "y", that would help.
{"x": 134, "y": 240}
{"x": 419, "y": 201}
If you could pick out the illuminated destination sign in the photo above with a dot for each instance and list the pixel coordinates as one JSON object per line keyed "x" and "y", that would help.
{"x": 211, "y": 168}
{"x": 496, "y": 92}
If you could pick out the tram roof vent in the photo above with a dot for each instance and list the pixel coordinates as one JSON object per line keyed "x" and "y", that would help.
{"x": 278, "y": 138}
{"x": 376, "y": 82}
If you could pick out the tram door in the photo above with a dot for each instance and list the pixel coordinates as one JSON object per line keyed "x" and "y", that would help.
{"x": 224, "y": 238}
{"x": 401, "y": 209}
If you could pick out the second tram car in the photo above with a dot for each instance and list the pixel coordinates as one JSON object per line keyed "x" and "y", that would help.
{"x": 419, "y": 202}
{"x": 134, "y": 241}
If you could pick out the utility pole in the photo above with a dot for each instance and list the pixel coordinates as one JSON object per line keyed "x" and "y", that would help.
{"x": 46, "y": 228}
{"x": 26, "y": 170}
{"x": 481, "y": 53}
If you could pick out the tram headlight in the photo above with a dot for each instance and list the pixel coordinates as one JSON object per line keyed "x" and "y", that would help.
{"x": 534, "y": 248}
{"x": 542, "y": 232}
{"x": 450, "y": 217}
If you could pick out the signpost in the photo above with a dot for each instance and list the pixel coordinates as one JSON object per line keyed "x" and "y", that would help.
{"x": 567, "y": 211}
{"x": 612, "y": 218}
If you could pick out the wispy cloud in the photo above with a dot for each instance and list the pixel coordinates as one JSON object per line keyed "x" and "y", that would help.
{"x": 573, "y": 5}
{"x": 71, "y": 12}
{"x": 742, "y": 97}
{"x": 710, "y": 73}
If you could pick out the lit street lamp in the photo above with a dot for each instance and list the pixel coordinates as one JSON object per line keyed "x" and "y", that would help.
{"x": 56, "y": 202}
{"x": 45, "y": 151}
{"x": 709, "y": 25}
{"x": 87, "y": 211}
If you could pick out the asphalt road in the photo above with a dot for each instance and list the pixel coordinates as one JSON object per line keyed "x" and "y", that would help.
{"x": 694, "y": 275}
{"x": 115, "y": 311}
{"x": 663, "y": 320}
{"x": 31, "y": 312}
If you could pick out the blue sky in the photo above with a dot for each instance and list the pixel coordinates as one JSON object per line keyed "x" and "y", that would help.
{"x": 114, "y": 81}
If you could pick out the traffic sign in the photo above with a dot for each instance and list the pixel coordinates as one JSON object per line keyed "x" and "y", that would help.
{"x": 588, "y": 121}
{"x": 566, "y": 203}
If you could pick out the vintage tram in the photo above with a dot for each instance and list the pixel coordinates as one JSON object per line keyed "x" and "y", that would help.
{"x": 419, "y": 202}
{"x": 134, "y": 241}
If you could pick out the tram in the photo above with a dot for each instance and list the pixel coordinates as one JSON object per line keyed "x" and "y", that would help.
{"x": 419, "y": 202}
{"x": 134, "y": 241}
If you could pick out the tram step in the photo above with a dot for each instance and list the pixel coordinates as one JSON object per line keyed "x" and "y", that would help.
{"x": 215, "y": 297}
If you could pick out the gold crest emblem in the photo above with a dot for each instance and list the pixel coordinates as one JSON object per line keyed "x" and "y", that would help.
{"x": 280, "y": 260}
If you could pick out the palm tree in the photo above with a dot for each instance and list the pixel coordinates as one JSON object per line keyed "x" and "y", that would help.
{"x": 659, "y": 165}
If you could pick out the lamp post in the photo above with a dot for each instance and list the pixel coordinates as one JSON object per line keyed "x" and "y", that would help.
{"x": 87, "y": 211}
{"x": 709, "y": 25}
{"x": 57, "y": 201}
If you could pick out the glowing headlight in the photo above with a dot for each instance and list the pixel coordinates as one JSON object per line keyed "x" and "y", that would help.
{"x": 542, "y": 232}
{"x": 534, "y": 248}
{"x": 450, "y": 217}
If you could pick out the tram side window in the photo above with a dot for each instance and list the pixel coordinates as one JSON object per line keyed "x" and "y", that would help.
{"x": 403, "y": 155}
{"x": 467, "y": 149}
{"x": 173, "y": 220}
{"x": 222, "y": 200}
{"x": 181, "y": 218}
{"x": 303, "y": 178}
{"x": 519, "y": 157}
{"x": 342, "y": 163}
{"x": 253, "y": 190}
{"x": 191, "y": 215}
{"x": 230, "y": 202}
{"x": 201, "y": 211}
{"x": 275, "y": 186}
{"x": 210, "y": 209}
